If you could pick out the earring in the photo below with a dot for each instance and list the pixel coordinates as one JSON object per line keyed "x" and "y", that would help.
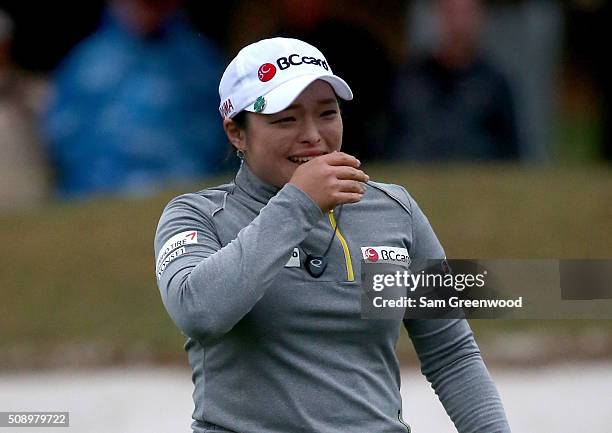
{"x": 240, "y": 154}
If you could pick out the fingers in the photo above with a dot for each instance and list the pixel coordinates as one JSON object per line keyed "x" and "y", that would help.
{"x": 351, "y": 173}
{"x": 341, "y": 158}
{"x": 351, "y": 186}
{"x": 350, "y": 191}
{"x": 347, "y": 197}
{"x": 331, "y": 179}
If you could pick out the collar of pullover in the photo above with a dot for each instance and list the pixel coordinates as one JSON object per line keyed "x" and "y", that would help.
{"x": 253, "y": 186}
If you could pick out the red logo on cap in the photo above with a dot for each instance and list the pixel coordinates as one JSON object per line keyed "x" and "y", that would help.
{"x": 371, "y": 255}
{"x": 266, "y": 72}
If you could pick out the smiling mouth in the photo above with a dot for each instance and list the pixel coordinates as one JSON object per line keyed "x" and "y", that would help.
{"x": 303, "y": 159}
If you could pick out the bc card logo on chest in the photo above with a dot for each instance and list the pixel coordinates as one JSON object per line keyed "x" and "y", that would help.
{"x": 382, "y": 254}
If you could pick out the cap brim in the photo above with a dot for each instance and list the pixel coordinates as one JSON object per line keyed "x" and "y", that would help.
{"x": 282, "y": 96}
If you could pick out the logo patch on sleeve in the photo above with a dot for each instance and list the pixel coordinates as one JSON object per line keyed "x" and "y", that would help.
{"x": 294, "y": 260}
{"x": 395, "y": 255}
{"x": 173, "y": 248}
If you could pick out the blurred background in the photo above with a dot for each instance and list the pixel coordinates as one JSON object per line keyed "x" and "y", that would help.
{"x": 494, "y": 114}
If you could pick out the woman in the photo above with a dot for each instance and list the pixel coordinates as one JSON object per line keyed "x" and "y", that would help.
{"x": 264, "y": 279}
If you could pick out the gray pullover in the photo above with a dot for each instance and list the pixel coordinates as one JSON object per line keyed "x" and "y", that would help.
{"x": 274, "y": 350}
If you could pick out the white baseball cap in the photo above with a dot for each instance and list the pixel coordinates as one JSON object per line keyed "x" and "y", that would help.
{"x": 267, "y": 76}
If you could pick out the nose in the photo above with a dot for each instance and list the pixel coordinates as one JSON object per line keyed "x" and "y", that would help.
{"x": 309, "y": 132}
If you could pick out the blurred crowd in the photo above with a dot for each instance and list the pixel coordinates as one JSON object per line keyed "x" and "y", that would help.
{"x": 132, "y": 107}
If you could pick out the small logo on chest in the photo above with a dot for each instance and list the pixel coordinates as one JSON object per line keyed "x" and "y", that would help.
{"x": 294, "y": 260}
{"x": 382, "y": 254}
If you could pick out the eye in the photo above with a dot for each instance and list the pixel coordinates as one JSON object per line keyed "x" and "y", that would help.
{"x": 287, "y": 119}
{"x": 329, "y": 113}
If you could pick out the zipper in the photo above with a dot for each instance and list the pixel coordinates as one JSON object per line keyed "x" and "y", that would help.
{"x": 400, "y": 419}
{"x": 347, "y": 254}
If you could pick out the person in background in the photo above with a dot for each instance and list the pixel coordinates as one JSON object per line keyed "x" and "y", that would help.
{"x": 452, "y": 104}
{"x": 23, "y": 169}
{"x": 131, "y": 108}
{"x": 589, "y": 32}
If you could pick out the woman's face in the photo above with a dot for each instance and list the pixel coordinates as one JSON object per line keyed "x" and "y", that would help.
{"x": 276, "y": 144}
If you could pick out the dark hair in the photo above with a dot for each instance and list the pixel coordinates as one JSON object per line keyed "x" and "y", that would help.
{"x": 241, "y": 119}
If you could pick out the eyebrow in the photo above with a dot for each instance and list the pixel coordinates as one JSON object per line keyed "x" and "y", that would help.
{"x": 319, "y": 102}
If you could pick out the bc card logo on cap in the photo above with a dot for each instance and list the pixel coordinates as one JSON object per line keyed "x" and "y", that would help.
{"x": 266, "y": 72}
{"x": 267, "y": 68}
{"x": 296, "y": 59}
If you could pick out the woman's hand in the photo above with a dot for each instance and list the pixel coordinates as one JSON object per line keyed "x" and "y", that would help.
{"x": 331, "y": 180}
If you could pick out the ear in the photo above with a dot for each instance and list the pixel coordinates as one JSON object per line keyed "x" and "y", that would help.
{"x": 235, "y": 135}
